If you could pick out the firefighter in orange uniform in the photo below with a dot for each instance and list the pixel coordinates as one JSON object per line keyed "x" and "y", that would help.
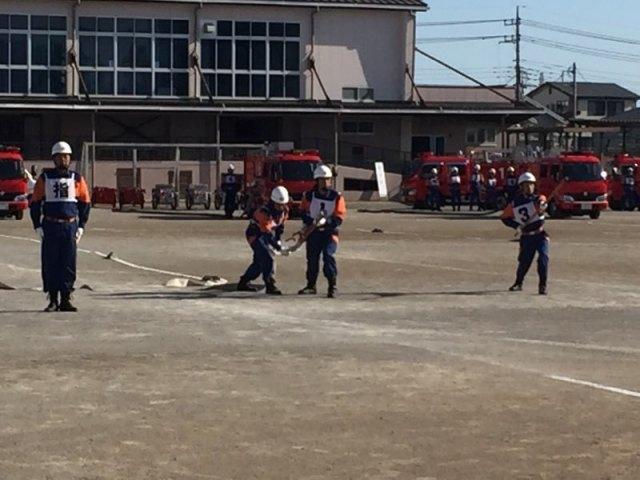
{"x": 263, "y": 234}
{"x": 323, "y": 211}
{"x": 60, "y": 210}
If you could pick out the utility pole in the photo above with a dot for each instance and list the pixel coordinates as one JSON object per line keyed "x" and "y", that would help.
{"x": 575, "y": 104}
{"x": 518, "y": 69}
{"x": 575, "y": 90}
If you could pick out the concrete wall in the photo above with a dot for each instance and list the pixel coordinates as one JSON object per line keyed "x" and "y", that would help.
{"x": 363, "y": 49}
{"x": 353, "y": 47}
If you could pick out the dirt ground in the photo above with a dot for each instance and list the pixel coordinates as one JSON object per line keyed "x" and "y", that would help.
{"x": 423, "y": 368}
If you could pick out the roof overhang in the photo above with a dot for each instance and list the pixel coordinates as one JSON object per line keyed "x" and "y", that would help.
{"x": 365, "y": 5}
{"x": 337, "y": 109}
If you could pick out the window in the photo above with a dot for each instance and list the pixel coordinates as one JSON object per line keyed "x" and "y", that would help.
{"x": 614, "y": 107}
{"x": 247, "y": 59}
{"x": 596, "y": 108}
{"x": 471, "y": 137}
{"x": 357, "y": 128}
{"x": 134, "y": 56}
{"x": 353, "y": 94}
{"x": 480, "y": 136}
{"x": 33, "y": 54}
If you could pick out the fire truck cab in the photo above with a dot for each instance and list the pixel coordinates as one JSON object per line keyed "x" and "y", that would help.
{"x": 13, "y": 183}
{"x": 414, "y": 186}
{"x": 291, "y": 169}
{"x": 577, "y": 180}
{"x": 619, "y": 166}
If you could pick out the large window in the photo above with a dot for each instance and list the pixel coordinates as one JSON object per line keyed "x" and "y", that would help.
{"x": 251, "y": 59}
{"x": 135, "y": 56}
{"x": 33, "y": 54}
{"x": 596, "y": 108}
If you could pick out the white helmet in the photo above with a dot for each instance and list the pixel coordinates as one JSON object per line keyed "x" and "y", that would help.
{"x": 476, "y": 167}
{"x": 280, "y": 195}
{"x": 434, "y": 171}
{"x": 511, "y": 169}
{"x": 454, "y": 170}
{"x": 527, "y": 177}
{"x": 322, "y": 171}
{"x": 231, "y": 167}
{"x": 61, "y": 147}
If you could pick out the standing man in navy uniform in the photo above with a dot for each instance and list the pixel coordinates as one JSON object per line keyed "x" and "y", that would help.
{"x": 323, "y": 211}
{"x": 60, "y": 210}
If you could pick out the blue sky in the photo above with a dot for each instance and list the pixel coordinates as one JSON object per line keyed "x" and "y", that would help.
{"x": 492, "y": 62}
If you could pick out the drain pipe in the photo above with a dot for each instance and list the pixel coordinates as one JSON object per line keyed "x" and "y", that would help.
{"x": 74, "y": 36}
{"x": 313, "y": 45}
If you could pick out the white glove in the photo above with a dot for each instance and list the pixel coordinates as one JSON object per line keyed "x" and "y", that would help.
{"x": 321, "y": 222}
{"x": 79, "y": 234}
{"x": 40, "y": 233}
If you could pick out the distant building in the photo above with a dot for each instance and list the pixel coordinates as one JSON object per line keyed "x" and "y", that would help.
{"x": 595, "y": 100}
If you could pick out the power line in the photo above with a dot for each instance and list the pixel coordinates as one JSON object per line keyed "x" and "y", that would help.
{"x": 463, "y": 22}
{"x": 582, "y": 33}
{"x": 595, "y": 52}
{"x": 505, "y": 38}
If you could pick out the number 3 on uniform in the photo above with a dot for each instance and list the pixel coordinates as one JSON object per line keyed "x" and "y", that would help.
{"x": 523, "y": 213}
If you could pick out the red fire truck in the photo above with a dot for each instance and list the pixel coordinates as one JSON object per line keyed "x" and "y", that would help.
{"x": 291, "y": 169}
{"x": 13, "y": 184}
{"x": 577, "y": 181}
{"x": 414, "y": 186}
{"x": 619, "y": 167}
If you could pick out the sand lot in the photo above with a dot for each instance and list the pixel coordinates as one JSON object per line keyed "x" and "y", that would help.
{"x": 424, "y": 368}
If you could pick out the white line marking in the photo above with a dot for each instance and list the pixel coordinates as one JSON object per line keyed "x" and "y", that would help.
{"x": 580, "y": 346}
{"x": 20, "y": 238}
{"x": 621, "y": 391}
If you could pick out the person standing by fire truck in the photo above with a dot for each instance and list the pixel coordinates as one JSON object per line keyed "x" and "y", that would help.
{"x": 433, "y": 197}
{"x": 60, "y": 210}
{"x": 230, "y": 188}
{"x": 526, "y": 213}
{"x": 511, "y": 183}
{"x": 629, "y": 187}
{"x": 264, "y": 235}
{"x": 491, "y": 190}
{"x": 454, "y": 189}
{"x": 323, "y": 211}
{"x": 475, "y": 188}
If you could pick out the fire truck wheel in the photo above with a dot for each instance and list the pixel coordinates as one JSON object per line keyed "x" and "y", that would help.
{"x": 553, "y": 210}
{"x": 594, "y": 214}
{"x": 19, "y": 214}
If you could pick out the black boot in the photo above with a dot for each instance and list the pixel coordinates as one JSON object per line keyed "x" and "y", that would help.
{"x": 65, "y": 303}
{"x": 332, "y": 292}
{"x": 272, "y": 289}
{"x": 53, "y": 302}
{"x": 308, "y": 290}
{"x": 542, "y": 289}
{"x": 516, "y": 287}
{"x": 243, "y": 286}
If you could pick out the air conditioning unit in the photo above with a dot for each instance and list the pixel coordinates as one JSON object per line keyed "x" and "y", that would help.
{"x": 210, "y": 28}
